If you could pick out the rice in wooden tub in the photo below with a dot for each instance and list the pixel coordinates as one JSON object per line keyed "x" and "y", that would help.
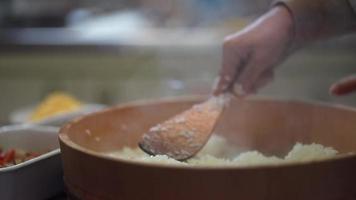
{"x": 218, "y": 152}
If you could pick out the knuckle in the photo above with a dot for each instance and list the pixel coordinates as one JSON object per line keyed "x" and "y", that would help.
{"x": 235, "y": 46}
{"x": 229, "y": 42}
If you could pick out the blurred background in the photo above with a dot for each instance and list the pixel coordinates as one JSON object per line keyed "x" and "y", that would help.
{"x": 114, "y": 51}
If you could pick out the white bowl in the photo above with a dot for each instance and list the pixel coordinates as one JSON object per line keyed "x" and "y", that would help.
{"x": 37, "y": 178}
{"x": 22, "y": 116}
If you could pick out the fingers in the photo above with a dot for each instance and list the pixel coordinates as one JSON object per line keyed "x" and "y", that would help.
{"x": 265, "y": 78}
{"x": 344, "y": 86}
{"x": 239, "y": 89}
{"x": 249, "y": 76}
{"x": 257, "y": 72}
{"x": 231, "y": 66}
{"x": 242, "y": 74}
{"x": 262, "y": 80}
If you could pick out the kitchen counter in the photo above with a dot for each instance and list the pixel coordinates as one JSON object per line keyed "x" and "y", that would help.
{"x": 158, "y": 63}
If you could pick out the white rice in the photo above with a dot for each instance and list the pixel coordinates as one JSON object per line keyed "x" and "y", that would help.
{"x": 219, "y": 152}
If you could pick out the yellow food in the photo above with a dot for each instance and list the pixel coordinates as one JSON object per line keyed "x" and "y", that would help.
{"x": 53, "y": 104}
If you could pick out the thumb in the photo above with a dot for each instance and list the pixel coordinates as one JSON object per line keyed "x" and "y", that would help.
{"x": 344, "y": 86}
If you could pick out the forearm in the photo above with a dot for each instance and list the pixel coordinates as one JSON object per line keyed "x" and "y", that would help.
{"x": 318, "y": 19}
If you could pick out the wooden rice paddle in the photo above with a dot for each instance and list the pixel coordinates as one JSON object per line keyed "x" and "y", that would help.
{"x": 183, "y": 135}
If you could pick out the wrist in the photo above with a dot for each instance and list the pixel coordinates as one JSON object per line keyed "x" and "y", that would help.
{"x": 283, "y": 20}
{"x": 278, "y": 24}
{"x": 318, "y": 19}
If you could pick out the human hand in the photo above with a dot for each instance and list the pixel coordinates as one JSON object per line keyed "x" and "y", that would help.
{"x": 344, "y": 86}
{"x": 250, "y": 55}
